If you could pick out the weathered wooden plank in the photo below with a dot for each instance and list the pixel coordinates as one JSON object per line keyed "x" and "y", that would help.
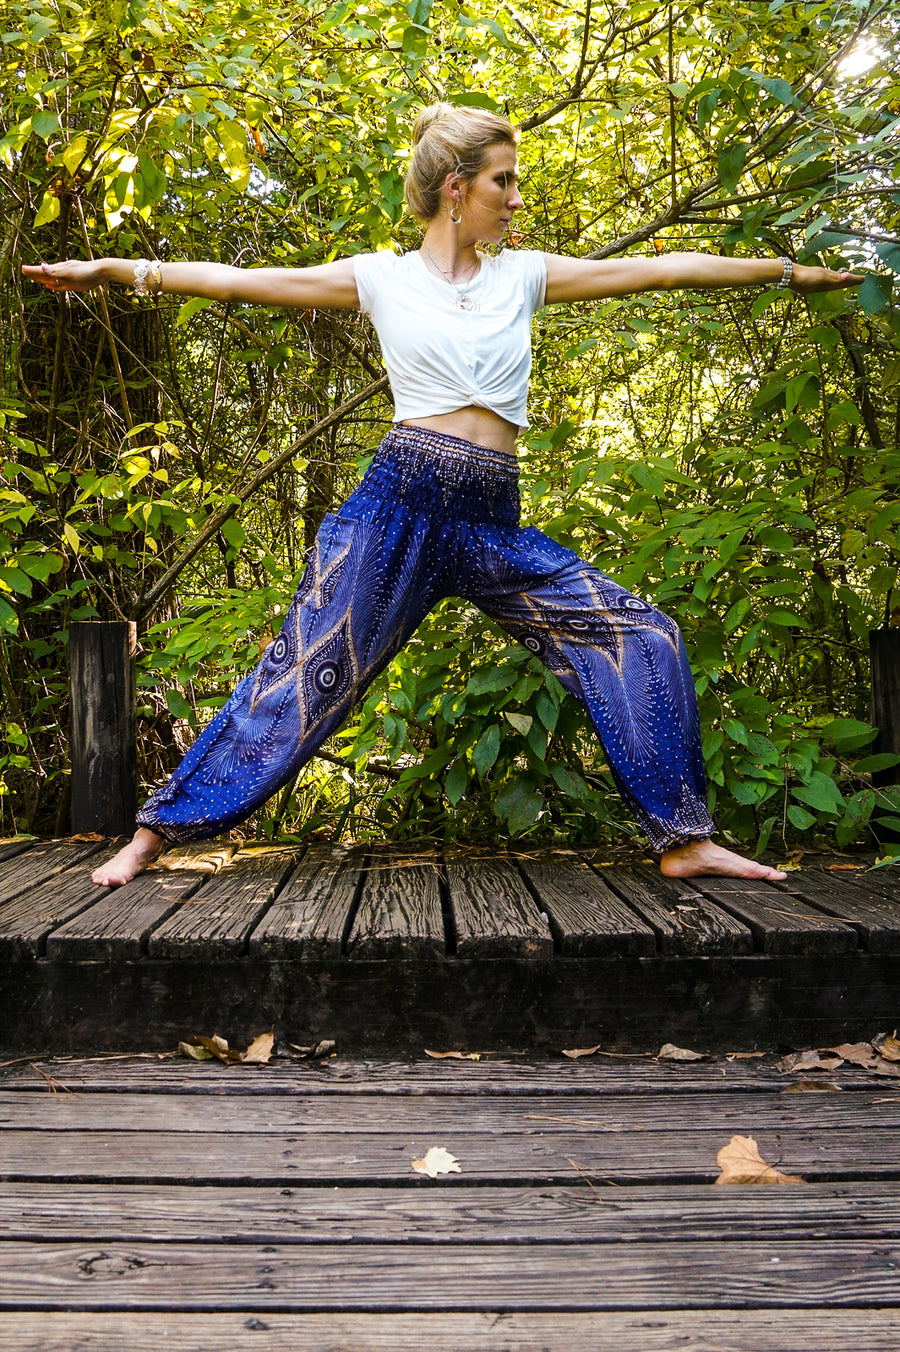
{"x": 484, "y": 1277}
{"x": 494, "y": 1076}
{"x": 683, "y": 920}
{"x": 493, "y": 911}
{"x": 14, "y": 846}
{"x": 872, "y": 908}
{"x": 118, "y": 926}
{"x": 289, "y": 1157}
{"x": 311, "y": 917}
{"x": 399, "y": 914}
{"x": 587, "y": 919}
{"x": 885, "y": 880}
{"x": 778, "y": 923}
{"x": 73, "y": 1212}
{"x": 216, "y": 924}
{"x": 27, "y": 920}
{"x": 776, "y": 1330}
{"x": 443, "y": 1114}
{"x": 42, "y": 862}
{"x": 199, "y": 856}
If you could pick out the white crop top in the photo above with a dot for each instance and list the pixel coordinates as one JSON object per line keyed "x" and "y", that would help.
{"x": 439, "y": 357}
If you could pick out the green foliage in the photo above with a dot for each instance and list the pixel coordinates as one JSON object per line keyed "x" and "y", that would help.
{"x": 732, "y": 455}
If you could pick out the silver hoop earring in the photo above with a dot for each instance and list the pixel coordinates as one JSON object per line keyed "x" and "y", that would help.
{"x": 457, "y": 220}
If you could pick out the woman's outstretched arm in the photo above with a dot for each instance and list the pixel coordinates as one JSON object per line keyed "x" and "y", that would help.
{"x": 325, "y": 286}
{"x": 592, "y": 279}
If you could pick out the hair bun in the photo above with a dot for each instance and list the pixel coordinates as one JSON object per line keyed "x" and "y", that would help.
{"x": 427, "y": 117}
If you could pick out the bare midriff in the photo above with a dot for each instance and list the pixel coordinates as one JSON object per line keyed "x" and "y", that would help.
{"x": 473, "y": 424}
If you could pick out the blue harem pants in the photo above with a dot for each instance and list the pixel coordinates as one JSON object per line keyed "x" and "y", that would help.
{"x": 437, "y": 516}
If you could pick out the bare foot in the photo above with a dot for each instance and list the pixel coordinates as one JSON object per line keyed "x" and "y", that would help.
{"x": 132, "y": 859}
{"x": 701, "y": 857}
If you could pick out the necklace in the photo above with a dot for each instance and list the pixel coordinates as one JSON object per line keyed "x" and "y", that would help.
{"x": 463, "y": 300}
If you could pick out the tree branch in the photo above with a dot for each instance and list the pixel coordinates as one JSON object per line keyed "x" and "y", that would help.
{"x": 371, "y": 768}
{"x": 148, "y": 603}
{"x": 673, "y": 213}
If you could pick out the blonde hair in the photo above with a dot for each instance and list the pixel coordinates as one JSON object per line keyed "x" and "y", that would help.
{"x": 450, "y": 140}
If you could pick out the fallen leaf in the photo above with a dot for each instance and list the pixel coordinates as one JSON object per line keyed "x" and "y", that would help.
{"x": 205, "y": 1048}
{"x": 833, "y": 868}
{"x": 743, "y": 1056}
{"x": 887, "y": 1046}
{"x": 454, "y": 1056}
{"x": 219, "y": 1048}
{"x": 88, "y": 835}
{"x": 812, "y": 1087}
{"x": 312, "y": 1053}
{"x": 809, "y": 1060}
{"x": 436, "y": 1161}
{"x": 864, "y": 1054}
{"x": 741, "y": 1162}
{"x": 195, "y": 1051}
{"x": 574, "y": 1052}
{"x": 669, "y": 1052}
{"x": 260, "y": 1050}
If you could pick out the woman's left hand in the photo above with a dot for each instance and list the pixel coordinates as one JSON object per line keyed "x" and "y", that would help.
{"x": 806, "y": 280}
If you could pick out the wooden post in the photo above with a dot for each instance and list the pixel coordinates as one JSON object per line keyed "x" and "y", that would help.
{"x": 884, "y": 647}
{"x": 102, "y": 739}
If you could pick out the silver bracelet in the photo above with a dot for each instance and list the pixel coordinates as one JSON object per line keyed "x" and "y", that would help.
{"x": 147, "y": 278}
{"x": 787, "y": 273}
{"x": 141, "y": 269}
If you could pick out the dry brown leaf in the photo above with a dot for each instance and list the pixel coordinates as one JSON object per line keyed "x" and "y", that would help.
{"x": 205, "y": 1048}
{"x": 887, "y": 1045}
{"x": 574, "y": 1052}
{"x": 743, "y": 1056}
{"x": 259, "y": 1052}
{"x": 809, "y": 1060}
{"x": 312, "y": 1053}
{"x": 195, "y": 1051}
{"x": 812, "y": 1087}
{"x": 832, "y": 868}
{"x": 454, "y": 1056}
{"x": 88, "y": 835}
{"x": 436, "y": 1161}
{"x": 669, "y": 1052}
{"x": 858, "y": 1053}
{"x": 219, "y": 1048}
{"x": 864, "y": 1054}
{"x": 741, "y": 1162}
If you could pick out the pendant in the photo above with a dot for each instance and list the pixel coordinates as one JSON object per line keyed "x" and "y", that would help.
{"x": 465, "y": 303}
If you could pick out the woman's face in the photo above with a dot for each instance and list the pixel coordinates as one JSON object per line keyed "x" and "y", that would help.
{"x": 490, "y": 199}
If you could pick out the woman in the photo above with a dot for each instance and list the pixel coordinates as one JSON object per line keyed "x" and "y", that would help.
{"x": 437, "y": 512}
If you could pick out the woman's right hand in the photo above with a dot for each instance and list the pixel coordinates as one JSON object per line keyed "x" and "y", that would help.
{"x": 73, "y": 274}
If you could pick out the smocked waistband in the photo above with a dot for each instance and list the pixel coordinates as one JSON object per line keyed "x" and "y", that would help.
{"x": 434, "y": 472}
{"x": 425, "y": 441}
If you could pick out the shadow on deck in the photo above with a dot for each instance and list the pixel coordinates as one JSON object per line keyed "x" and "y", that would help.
{"x": 389, "y": 950}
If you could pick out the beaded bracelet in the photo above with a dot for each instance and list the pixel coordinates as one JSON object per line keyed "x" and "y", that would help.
{"x": 787, "y": 273}
{"x": 147, "y": 278}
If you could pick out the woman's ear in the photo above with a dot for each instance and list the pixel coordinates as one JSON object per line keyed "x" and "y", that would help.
{"x": 453, "y": 185}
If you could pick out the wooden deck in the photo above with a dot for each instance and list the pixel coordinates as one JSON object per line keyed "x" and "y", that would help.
{"x": 388, "y": 950}
{"x": 152, "y": 1204}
